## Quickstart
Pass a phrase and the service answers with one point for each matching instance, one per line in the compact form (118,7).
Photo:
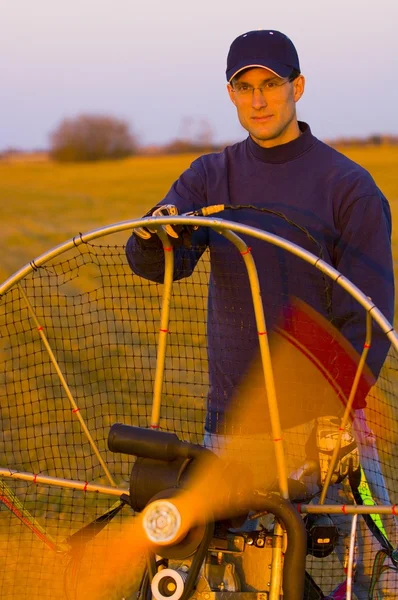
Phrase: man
(298,188)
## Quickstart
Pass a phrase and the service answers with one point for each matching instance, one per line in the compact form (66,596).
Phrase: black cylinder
(150,477)
(150,443)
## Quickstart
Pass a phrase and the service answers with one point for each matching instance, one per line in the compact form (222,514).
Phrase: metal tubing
(265,358)
(350,566)
(82,486)
(349,509)
(294,560)
(277,562)
(75,409)
(218,224)
(164,326)
(346,416)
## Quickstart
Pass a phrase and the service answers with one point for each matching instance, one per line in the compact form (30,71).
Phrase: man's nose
(258,99)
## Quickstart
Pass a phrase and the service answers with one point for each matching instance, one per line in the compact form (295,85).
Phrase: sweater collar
(284,152)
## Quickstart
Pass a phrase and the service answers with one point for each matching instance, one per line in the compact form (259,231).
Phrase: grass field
(43,204)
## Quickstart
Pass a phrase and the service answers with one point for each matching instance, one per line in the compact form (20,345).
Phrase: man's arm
(363,254)
(146,256)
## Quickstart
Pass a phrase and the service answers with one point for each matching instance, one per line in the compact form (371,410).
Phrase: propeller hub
(162,522)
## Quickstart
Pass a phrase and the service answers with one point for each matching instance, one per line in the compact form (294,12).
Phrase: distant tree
(90,138)
(375,139)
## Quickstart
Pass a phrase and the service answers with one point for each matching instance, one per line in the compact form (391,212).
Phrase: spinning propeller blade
(314,368)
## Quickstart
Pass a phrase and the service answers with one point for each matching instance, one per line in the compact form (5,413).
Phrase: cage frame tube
(83,486)
(351,557)
(75,410)
(350,402)
(348,509)
(164,326)
(277,561)
(215,223)
(266,360)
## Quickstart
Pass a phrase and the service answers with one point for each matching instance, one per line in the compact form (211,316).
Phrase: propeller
(314,369)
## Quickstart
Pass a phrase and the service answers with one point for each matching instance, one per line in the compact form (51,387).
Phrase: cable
(216,208)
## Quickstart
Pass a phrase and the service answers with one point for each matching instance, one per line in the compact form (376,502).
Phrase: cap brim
(279,69)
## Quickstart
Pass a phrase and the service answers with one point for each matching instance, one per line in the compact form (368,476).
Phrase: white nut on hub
(162,522)
(168,584)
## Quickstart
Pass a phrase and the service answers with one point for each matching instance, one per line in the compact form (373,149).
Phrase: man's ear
(298,87)
(231,93)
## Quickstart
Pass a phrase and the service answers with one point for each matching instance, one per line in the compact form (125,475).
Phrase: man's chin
(266,130)
(264,135)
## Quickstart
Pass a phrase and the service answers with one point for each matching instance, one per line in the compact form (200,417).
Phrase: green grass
(44,204)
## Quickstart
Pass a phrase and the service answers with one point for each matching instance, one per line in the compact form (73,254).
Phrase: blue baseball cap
(265,48)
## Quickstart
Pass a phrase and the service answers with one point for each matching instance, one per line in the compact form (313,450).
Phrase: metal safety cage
(56,386)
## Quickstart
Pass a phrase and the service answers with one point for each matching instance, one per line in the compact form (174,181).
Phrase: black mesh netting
(102,324)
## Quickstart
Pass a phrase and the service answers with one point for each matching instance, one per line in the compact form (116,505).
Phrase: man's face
(268,113)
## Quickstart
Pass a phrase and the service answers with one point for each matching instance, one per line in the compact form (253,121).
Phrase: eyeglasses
(266,89)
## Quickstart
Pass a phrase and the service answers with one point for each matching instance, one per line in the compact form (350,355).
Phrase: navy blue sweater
(319,189)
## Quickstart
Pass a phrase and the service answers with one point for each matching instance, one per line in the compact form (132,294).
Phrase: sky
(160,65)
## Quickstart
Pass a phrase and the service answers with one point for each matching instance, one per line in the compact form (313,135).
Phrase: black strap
(312,591)
(90,531)
(78,542)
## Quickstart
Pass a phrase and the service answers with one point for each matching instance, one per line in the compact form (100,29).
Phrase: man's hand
(180,235)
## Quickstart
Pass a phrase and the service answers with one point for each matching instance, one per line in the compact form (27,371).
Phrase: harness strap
(363,496)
